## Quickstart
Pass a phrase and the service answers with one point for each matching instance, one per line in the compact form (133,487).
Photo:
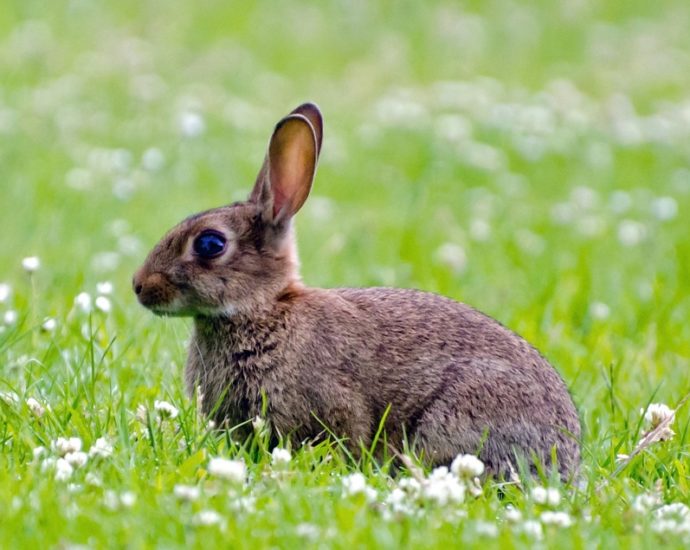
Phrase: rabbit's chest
(239,384)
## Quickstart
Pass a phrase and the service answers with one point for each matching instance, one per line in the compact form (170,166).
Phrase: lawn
(532,160)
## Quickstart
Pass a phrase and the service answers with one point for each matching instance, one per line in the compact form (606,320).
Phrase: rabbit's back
(456,377)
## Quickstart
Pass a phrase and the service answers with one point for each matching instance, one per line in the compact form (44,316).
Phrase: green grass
(531,160)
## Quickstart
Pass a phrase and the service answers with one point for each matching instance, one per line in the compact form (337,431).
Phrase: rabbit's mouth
(165,311)
(174,308)
(177,308)
(155,292)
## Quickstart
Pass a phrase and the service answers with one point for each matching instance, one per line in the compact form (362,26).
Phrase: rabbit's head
(240,257)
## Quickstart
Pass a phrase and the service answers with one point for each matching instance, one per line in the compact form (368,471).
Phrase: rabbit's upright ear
(311,112)
(286,176)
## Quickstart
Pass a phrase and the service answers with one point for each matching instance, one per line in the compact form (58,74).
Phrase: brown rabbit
(456,381)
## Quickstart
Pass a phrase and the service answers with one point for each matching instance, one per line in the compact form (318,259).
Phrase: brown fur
(455,380)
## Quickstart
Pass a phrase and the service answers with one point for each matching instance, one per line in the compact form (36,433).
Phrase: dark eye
(209,244)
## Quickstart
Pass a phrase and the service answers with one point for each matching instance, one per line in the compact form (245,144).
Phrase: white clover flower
(104,288)
(123,188)
(191,124)
(664,208)
(187,492)
(356,484)
(165,409)
(207,518)
(642,504)
(64,445)
(105,261)
(9,397)
(486,529)
(512,514)
(35,407)
(553,497)
(620,201)
(530,242)
(538,495)
(673,526)
(103,304)
(153,159)
(142,413)
(657,413)
(562,213)
(10,317)
(467,466)
(31,264)
(111,500)
(411,486)
(49,325)
(443,488)
(242,504)
(39,452)
(591,225)
(453,127)
(599,310)
(559,519)
(231,470)
(280,457)
(584,197)
(63,470)
(674,510)
(631,233)
(307,531)
(129,245)
(5,291)
(48,463)
(93,480)
(452,255)
(672,518)
(83,301)
(102,447)
(532,528)
(79,178)
(480,230)
(546,496)
(128,499)
(399,502)
(76,459)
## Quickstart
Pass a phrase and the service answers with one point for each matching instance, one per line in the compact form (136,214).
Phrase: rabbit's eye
(209,244)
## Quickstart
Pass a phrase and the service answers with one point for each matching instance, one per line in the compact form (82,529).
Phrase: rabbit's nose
(136,283)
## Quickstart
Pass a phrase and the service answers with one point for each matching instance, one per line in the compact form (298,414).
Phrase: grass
(531,160)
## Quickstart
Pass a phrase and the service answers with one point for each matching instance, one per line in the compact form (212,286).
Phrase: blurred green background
(530,159)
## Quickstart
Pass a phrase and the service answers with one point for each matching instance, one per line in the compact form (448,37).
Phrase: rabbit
(447,378)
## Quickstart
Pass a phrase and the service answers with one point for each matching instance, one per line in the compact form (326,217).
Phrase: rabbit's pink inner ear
(291,165)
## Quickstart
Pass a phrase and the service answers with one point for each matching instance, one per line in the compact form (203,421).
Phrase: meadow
(530,159)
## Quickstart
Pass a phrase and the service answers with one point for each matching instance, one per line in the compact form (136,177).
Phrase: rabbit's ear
(311,112)
(285,179)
